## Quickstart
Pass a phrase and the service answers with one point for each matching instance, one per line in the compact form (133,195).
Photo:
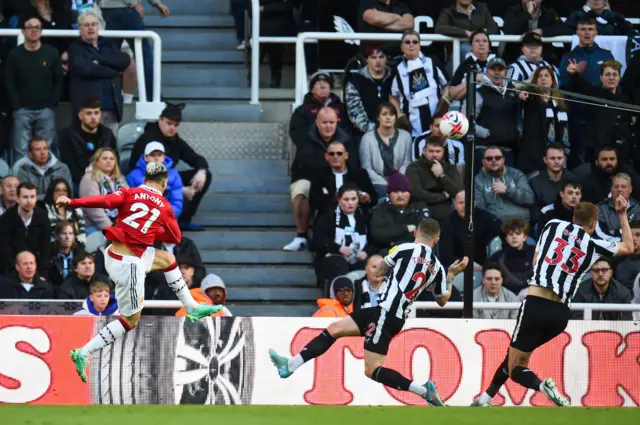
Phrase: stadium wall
(167,360)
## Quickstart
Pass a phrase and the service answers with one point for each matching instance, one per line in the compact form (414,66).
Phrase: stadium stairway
(247,212)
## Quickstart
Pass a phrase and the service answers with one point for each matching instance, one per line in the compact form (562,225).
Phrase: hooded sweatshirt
(42,177)
(330,307)
(200,295)
(88,309)
(515,203)
(173,193)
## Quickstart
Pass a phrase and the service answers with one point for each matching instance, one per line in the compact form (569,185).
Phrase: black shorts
(378,327)
(539,321)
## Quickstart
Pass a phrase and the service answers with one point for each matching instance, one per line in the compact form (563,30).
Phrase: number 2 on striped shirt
(420,279)
(573,262)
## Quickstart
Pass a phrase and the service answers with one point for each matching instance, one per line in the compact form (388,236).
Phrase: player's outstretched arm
(454,270)
(626,246)
(62,202)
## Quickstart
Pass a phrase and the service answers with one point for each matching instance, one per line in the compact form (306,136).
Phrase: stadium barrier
(167,360)
(145,109)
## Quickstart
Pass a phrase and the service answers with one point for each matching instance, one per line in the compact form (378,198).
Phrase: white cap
(153,146)
(212,281)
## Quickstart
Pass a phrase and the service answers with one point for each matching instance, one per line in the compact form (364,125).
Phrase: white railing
(145,110)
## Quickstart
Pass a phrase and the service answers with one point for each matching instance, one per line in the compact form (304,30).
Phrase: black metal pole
(469,153)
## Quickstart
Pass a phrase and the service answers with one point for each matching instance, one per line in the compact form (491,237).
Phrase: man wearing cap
(319,96)
(394,221)
(524,67)
(196,181)
(341,302)
(154,152)
(212,290)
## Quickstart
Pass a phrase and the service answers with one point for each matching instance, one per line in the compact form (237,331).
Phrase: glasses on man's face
(493,158)
(335,153)
(35,28)
(89,25)
(414,42)
(601,271)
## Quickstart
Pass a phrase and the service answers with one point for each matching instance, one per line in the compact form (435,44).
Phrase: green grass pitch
(312,415)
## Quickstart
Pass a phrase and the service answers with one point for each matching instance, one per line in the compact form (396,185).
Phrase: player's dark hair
(347,187)
(555,145)
(585,214)
(604,260)
(571,183)
(492,266)
(429,228)
(586,20)
(26,185)
(517,225)
(90,102)
(434,141)
(80,257)
(35,139)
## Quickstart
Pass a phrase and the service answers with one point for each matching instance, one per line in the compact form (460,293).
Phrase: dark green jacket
(388,226)
(433,190)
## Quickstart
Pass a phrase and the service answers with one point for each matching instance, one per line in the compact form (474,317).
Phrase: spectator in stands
(606,126)
(464,17)
(25,228)
(325,187)
(96,66)
(385,16)
(102,177)
(631,79)
(319,97)
(478,58)
(154,152)
(501,190)
(523,69)
(452,247)
(367,89)
(497,111)
(602,288)
(418,85)
(33,76)
(100,302)
(276,20)
(9,196)
(195,181)
(550,110)
(597,185)
(211,291)
(562,208)
(54,15)
(128,15)
(77,285)
(608,220)
(385,150)
(80,140)
(455,148)
(627,269)
(433,180)
(41,166)
(340,303)
(548,182)
(516,256)
(74,216)
(340,239)
(608,21)
(394,221)
(25,282)
(368,290)
(493,291)
(309,163)
(64,249)
(530,15)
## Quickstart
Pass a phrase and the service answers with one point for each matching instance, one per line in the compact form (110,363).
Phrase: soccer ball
(454,125)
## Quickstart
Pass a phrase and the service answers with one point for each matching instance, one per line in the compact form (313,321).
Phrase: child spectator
(100,302)
(516,257)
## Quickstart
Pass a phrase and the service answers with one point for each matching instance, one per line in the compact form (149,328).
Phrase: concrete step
(276,309)
(236,92)
(249,275)
(235,112)
(254,257)
(246,203)
(192,7)
(203,75)
(244,220)
(242,167)
(188,21)
(243,240)
(275,294)
(203,56)
(197,38)
(251,184)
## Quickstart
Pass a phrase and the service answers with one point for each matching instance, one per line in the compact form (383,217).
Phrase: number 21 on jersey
(557,256)
(140,210)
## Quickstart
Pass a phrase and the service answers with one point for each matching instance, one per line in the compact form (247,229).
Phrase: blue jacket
(174,187)
(593,55)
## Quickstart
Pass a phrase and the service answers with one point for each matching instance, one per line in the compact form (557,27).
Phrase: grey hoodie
(513,204)
(42,177)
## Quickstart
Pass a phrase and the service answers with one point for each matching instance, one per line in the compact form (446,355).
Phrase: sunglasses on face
(411,42)
(493,158)
(335,153)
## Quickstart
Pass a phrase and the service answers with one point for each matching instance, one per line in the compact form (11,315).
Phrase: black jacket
(500,115)
(309,162)
(558,211)
(615,294)
(546,191)
(323,189)
(76,152)
(305,116)
(389,225)
(276,20)
(96,72)
(16,238)
(517,266)
(74,288)
(597,186)
(186,252)
(56,268)
(175,148)
(324,233)
(10,288)
(369,94)
(454,236)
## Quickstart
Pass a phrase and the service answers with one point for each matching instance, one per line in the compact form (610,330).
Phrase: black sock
(500,377)
(317,346)
(391,378)
(302,235)
(526,378)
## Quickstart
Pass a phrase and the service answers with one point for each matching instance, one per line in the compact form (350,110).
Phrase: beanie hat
(320,76)
(341,282)
(212,281)
(173,111)
(398,182)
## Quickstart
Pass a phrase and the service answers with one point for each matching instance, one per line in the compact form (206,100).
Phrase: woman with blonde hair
(102,177)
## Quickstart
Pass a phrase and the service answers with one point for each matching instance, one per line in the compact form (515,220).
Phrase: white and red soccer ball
(454,125)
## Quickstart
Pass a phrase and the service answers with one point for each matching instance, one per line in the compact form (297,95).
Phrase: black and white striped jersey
(414,268)
(565,253)
(522,69)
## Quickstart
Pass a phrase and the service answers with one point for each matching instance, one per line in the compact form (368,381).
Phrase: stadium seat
(129,133)
(16,165)
(4,169)
(494,246)
(125,155)
(458,282)
(94,240)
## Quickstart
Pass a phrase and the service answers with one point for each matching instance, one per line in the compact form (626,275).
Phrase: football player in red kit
(144,216)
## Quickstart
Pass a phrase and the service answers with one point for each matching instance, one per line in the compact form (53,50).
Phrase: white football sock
(127,98)
(484,398)
(295,362)
(418,389)
(107,335)
(179,286)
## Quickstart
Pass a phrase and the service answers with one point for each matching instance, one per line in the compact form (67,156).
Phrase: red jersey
(144,216)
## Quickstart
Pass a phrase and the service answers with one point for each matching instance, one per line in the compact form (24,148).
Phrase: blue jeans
(127,19)
(28,123)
